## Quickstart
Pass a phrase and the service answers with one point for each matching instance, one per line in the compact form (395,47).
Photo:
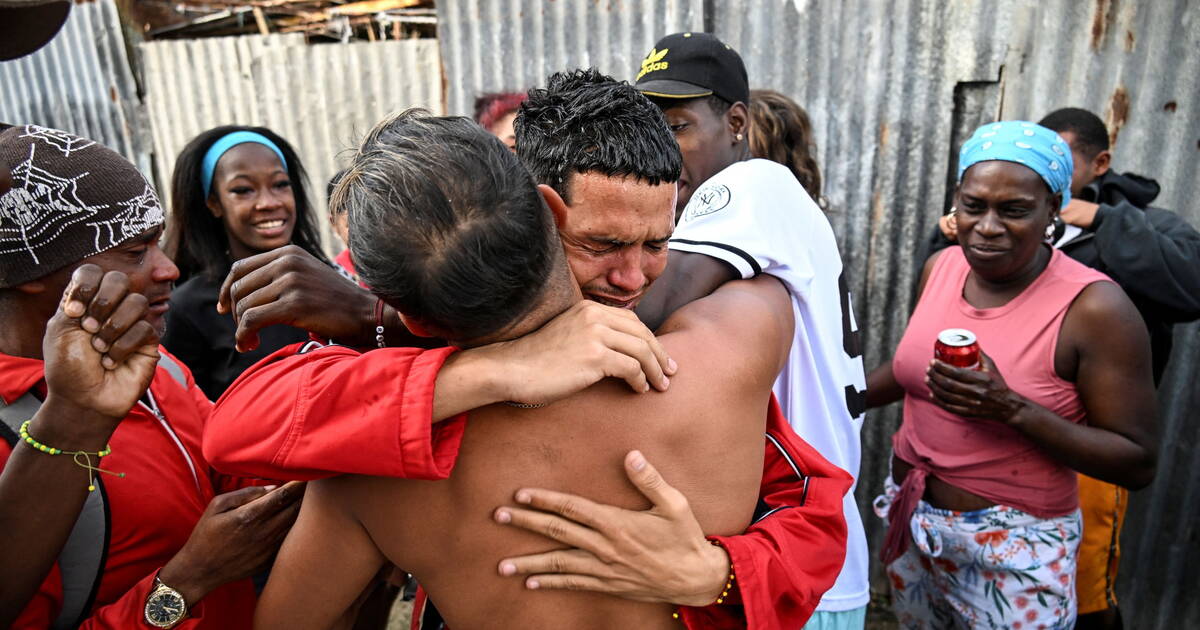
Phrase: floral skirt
(993,568)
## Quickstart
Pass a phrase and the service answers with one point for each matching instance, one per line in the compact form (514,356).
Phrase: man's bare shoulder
(743,319)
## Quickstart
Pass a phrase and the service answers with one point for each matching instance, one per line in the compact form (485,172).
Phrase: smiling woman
(984,463)
(236,192)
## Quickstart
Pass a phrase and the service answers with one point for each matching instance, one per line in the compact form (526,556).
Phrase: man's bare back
(704,434)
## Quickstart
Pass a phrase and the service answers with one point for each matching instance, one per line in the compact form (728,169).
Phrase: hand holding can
(957,347)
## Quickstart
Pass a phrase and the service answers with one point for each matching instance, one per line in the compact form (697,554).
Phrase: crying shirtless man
(448,227)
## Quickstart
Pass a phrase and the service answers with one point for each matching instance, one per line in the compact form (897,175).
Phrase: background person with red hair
(496,112)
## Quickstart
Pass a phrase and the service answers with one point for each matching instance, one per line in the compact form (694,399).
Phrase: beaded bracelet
(724,591)
(86,455)
(379,340)
(728,587)
(728,582)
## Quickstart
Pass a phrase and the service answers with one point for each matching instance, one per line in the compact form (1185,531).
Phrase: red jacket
(152,509)
(333,410)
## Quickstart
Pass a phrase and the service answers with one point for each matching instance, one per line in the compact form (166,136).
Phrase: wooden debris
(344,20)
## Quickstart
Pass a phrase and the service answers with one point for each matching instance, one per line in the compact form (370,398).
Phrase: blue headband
(1027,144)
(226,143)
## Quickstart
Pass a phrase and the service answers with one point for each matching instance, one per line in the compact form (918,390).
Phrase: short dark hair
(1089,130)
(446,225)
(717,104)
(583,122)
(196,240)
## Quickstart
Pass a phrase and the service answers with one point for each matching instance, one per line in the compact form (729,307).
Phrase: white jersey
(755,216)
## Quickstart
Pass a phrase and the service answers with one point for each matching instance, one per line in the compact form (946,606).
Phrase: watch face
(164,609)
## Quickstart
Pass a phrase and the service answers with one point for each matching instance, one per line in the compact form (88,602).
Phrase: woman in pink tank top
(984,524)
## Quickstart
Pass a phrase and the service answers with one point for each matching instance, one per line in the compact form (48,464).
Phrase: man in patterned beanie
(70,198)
(114,517)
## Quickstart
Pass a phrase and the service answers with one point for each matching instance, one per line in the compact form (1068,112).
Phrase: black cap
(691,65)
(27,25)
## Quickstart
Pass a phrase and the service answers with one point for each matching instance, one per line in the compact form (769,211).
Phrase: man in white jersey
(738,218)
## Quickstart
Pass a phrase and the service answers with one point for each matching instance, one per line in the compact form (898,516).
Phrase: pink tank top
(984,457)
(988,458)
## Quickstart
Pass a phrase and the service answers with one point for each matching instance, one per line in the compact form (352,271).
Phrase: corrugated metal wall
(879,83)
(1137,65)
(321,98)
(82,83)
(511,45)
(893,89)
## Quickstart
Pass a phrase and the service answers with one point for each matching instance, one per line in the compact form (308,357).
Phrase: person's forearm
(687,278)
(1093,451)
(882,387)
(468,380)
(40,498)
(189,577)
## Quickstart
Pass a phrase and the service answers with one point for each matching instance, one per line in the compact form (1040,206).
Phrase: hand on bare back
(100,352)
(656,555)
(236,537)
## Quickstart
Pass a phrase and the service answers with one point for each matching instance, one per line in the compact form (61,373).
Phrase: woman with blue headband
(982,505)
(236,192)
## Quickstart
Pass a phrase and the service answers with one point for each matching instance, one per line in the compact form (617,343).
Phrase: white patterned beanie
(71,198)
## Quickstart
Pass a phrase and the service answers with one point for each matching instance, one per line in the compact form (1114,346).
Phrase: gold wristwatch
(165,606)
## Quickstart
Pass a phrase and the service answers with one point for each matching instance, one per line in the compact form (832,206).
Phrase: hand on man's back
(236,537)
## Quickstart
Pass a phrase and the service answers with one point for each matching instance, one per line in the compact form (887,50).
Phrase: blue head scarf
(227,142)
(1027,144)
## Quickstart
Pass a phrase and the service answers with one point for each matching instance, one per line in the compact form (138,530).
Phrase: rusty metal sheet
(321,98)
(503,45)
(893,89)
(80,82)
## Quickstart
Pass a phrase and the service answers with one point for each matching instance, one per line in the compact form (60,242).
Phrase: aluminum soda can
(957,347)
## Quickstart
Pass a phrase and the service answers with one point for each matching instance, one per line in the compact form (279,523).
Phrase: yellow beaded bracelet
(724,591)
(729,582)
(86,455)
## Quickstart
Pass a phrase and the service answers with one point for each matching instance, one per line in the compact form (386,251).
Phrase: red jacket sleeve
(793,552)
(304,413)
(129,611)
(232,608)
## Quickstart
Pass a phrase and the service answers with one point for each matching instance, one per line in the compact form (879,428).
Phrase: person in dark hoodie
(1154,255)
